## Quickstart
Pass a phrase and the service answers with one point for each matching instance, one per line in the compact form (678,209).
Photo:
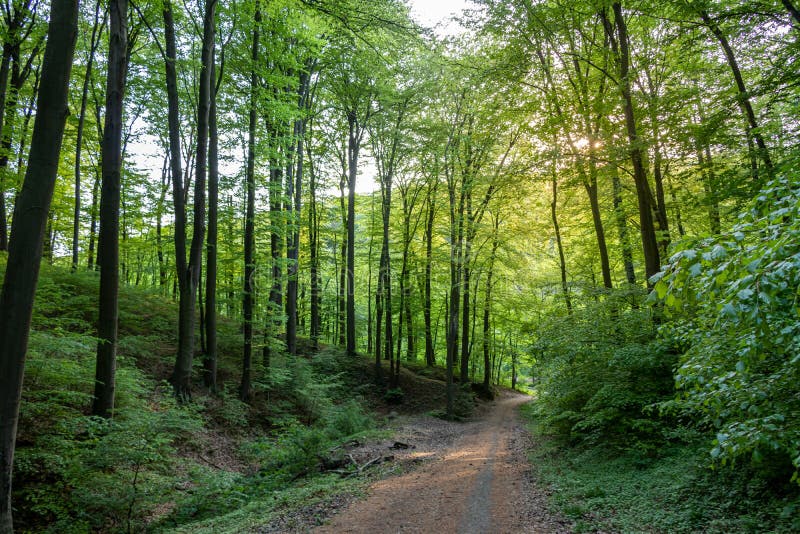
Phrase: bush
(733,300)
(597,372)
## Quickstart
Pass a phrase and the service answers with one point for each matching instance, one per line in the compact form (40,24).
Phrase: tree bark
(15,17)
(188,269)
(313,245)
(487,308)
(76,217)
(385,282)
(793,11)
(353,149)
(211,354)
(108,241)
(90,261)
(559,245)
(295,205)
(27,236)
(621,49)
(430,357)
(249,224)
(622,229)
(742,97)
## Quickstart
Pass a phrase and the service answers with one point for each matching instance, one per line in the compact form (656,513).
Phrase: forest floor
(456,477)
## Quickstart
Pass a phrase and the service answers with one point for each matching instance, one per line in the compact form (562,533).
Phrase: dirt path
(476,480)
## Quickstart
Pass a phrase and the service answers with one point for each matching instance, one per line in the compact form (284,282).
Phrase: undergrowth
(152,467)
(605,489)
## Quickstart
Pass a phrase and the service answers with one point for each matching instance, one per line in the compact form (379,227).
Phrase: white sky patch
(438,14)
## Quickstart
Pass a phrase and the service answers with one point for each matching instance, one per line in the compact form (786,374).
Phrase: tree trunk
(341,324)
(249,224)
(456,241)
(353,149)
(108,241)
(5,66)
(559,245)
(487,307)
(793,11)
(211,354)
(293,244)
(95,40)
(370,345)
(90,261)
(466,273)
(14,31)
(643,193)
(162,267)
(742,97)
(385,282)
(622,229)
(27,236)
(430,357)
(590,184)
(313,245)
(188,270)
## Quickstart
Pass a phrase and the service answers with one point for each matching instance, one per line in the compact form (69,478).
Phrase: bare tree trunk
(559,245)
(293,241)
(18,22)
(93,43)
(353,149)
(313,245)
(385,282)
(466,272)
(646,226)
(27,236)
(341,324)
(430,357)
(622,229)
(211,354)
(188,269)
(487,308)
(590,184)
(162,267)
(108,241)
(742,97)
(249,224)
(793,11)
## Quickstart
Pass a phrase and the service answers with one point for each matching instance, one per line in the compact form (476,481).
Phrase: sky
(432,12)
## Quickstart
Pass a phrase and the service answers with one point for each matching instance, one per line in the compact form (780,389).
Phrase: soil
(471,477)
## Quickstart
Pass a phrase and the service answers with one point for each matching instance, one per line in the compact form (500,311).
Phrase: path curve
(480,484)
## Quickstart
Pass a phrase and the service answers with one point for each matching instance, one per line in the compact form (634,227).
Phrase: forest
(235,236)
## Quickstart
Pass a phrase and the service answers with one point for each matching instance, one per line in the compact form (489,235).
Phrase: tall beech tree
(617,34)
(108,242)
(188,269)
(249,221)
(27,233)
(353,86)
(94,42)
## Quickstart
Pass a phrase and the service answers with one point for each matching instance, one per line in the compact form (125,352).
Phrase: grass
(604,489)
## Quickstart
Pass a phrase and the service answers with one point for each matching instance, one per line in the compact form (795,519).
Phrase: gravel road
(474,478)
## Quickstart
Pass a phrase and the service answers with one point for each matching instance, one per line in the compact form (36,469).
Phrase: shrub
(597,372)
(733,300)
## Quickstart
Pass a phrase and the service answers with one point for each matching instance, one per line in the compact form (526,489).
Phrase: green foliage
(77,473)
(394,396)
(603,490)
(315,419)
(597,372)
(733,300)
